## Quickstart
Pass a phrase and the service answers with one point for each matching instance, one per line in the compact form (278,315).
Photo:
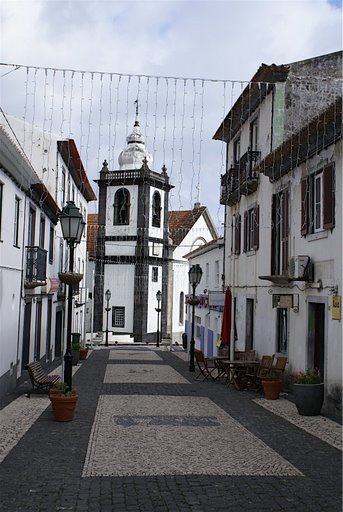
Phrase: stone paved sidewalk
(148,437)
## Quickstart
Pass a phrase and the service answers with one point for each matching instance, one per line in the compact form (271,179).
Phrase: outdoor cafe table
(235,370)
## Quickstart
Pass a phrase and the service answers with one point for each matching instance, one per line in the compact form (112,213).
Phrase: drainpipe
(233,264)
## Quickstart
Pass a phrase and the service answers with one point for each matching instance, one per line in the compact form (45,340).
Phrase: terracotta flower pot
(63,406)
(83,353)
(272,389)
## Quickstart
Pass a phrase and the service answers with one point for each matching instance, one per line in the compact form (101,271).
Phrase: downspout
(233,264)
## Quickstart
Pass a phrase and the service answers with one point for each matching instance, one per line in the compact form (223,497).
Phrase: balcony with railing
(240,179)
(35,273)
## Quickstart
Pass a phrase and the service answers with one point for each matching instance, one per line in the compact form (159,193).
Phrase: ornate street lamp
(72,225)
(158,309)
(194,276)
(107,309)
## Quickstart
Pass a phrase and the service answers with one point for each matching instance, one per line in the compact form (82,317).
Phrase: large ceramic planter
(308,398)
(63,406)
(271,389)
(75,355)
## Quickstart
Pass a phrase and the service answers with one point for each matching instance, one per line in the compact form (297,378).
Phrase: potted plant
(308,392)
(272,385)
(83,353)
(63,401)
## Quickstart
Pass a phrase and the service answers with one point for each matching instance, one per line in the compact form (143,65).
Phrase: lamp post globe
(72,225)
(107,309)
(194,277)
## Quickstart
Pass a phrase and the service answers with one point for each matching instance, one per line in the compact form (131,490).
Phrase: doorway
(58,333)
(25,358)
(316,337)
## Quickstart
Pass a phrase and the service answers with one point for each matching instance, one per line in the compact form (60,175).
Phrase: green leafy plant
(61,388)
(311,376)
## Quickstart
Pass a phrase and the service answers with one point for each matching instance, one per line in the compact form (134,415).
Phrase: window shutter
(285,231)
(273,240)
(245,234)
(256,226)
(304,206)
(328,197)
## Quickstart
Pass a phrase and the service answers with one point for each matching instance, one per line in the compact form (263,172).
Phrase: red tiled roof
(180,222)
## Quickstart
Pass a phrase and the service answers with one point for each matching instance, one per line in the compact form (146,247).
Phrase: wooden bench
(39,379)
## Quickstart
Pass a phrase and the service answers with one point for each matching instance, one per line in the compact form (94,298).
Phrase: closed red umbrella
(226,321)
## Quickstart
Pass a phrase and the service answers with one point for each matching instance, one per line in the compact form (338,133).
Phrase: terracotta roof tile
(180,222)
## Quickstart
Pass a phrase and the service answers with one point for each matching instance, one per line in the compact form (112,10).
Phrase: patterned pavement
(148,437)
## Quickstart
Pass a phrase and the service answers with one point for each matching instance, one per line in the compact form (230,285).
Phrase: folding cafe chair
(206,367)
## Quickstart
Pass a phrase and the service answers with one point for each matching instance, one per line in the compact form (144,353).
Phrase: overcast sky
(218,40)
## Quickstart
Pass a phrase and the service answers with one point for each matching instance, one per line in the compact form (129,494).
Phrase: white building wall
(197,236)
(120,280)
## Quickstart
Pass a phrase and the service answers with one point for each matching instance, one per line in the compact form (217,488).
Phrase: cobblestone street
(148,437)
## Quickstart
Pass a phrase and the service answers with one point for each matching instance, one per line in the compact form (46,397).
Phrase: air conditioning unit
(300,267)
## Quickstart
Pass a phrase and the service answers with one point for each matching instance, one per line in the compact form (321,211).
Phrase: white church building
(140,247)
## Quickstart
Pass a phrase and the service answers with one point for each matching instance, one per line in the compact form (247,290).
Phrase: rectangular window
(237,234)
(237,150)
(318,201)
(254,135)
(282,330)
(1,199)
(217,273)
(154,274)
(32,227)
(118,316)
(207,274)
(63,186)
(251,229)
(16,221)
(42,232)
(51,244)
(280,233)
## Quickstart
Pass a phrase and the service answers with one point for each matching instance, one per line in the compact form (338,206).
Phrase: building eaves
(15,163)
(321,132)
(72,159)
(213,244)
(254,93)
(42,197)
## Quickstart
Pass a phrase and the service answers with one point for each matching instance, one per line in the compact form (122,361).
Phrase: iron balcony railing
(240,178)
(35,274)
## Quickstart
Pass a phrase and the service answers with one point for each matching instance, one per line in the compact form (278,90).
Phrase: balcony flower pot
(308,392)
(272,389)
(63,402)
(72,278)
